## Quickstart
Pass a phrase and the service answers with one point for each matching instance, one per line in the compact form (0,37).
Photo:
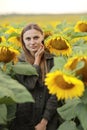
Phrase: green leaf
(67,111)
(58,63)
(79,47)
(12,91)
(24,68)
(11,110)
(78,34)
(81,112)
(84,97)
(3,114)
(68,125)
(13,34)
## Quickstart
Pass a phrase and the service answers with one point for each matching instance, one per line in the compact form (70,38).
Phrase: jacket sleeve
(51,108)
(29,81)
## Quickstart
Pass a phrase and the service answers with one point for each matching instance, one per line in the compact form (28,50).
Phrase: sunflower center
(18,38)
(83,27)
(0,39)
(59,44)
(62,83)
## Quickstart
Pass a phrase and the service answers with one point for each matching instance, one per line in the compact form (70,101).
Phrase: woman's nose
(32,41)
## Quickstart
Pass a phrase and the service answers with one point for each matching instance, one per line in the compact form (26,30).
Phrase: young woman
(42,114)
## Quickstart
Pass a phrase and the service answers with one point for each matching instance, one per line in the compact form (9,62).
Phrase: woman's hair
(29,27)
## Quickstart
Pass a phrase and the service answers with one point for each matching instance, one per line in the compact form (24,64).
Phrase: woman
(42,114)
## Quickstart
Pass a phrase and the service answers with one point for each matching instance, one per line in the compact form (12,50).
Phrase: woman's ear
(42,41)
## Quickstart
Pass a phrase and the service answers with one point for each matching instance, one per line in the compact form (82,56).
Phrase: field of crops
(41,19)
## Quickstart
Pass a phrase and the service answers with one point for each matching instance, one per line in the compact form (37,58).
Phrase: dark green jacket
(29,114)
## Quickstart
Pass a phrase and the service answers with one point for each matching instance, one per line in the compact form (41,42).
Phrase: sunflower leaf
(11,109)
(12,91)
(24,68)
(3,114)
(81,111)
(58,63)
(68,125)
(78,34)
(84,97)
(67,111)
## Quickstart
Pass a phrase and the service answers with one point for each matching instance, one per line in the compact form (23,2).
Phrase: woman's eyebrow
(36,36)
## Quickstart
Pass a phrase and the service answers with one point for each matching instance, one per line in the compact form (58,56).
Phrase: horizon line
(13,13)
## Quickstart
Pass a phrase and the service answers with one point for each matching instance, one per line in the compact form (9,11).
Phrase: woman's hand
(41,125)
(40,51)
(39,54)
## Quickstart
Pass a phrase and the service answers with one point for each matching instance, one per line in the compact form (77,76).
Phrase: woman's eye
(28,38)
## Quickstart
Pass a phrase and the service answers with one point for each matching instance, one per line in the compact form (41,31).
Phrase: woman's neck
(32,53)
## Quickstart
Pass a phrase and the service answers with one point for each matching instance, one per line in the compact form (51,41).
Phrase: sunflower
(2,39)
(11,30)
(8,54)
(72,64)
(81,26)
(58,45)
(63,85)
(15,40)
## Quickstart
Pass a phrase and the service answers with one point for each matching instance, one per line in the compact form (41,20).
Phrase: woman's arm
(51,107)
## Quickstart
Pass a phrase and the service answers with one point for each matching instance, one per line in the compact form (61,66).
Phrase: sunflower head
(58,45)
(81,26)
(63,85)
(15,40)
(82,71)
(8,54)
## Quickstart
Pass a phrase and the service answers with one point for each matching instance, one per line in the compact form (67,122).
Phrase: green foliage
(68,110)
(84,97)
(81,112)
(78,34)
(58,63)
(24,68)
(12,91)
(68,125)
(3,114)
(71,110)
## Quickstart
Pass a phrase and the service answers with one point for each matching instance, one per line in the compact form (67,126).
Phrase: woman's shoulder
(48,55)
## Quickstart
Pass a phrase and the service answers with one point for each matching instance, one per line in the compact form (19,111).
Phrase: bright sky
(43,6)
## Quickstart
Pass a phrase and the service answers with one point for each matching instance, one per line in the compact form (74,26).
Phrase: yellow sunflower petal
(64,86)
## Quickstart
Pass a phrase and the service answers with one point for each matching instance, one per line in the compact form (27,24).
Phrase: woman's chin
(34,50)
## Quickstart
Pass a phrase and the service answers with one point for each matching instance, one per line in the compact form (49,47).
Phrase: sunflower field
(67,40)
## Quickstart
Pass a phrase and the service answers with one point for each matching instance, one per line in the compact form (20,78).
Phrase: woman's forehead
(32,32)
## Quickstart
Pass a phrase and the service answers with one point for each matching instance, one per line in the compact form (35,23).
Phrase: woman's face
(33,40)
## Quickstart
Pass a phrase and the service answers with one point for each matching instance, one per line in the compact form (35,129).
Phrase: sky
(43,6)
